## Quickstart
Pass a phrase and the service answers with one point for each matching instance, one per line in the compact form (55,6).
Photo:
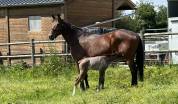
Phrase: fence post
(170,54)
(9,59)
(142,32)
(8,36)
(33,52)
(1,60)
(66,51)
(42,57)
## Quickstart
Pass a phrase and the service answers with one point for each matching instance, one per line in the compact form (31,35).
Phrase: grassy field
(45,85)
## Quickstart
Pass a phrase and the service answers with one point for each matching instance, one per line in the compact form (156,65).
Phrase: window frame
(32,29)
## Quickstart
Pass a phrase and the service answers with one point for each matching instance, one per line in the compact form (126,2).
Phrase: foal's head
(57,27)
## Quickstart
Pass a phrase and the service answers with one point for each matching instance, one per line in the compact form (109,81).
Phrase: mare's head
(57,27)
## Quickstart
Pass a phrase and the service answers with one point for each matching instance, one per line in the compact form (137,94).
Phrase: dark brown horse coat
(117,42)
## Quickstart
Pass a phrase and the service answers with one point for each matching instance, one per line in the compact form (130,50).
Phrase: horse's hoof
(82,89)
(97,90)
(73,93)
(141,79)
(134,85)
(87,87)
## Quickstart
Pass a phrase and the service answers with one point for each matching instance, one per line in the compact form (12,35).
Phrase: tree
(146,15)
(161,17)
(128,23)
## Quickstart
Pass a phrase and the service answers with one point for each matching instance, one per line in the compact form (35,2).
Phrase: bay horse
(124,43)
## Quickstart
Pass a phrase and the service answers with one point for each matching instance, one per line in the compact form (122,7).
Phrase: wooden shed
(23,20)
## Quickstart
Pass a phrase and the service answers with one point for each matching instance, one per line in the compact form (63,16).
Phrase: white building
(173,27)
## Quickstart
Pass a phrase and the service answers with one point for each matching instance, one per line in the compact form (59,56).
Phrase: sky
(155,2)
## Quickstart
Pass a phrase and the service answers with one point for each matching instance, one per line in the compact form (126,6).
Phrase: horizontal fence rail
(162,51)
(160,34)
(161,29)
(108,21)
(36,55)
(36,42)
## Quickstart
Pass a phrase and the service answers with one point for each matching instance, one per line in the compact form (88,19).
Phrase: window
(34,23)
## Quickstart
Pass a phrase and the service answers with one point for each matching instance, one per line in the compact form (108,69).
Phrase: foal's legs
(86,81)
(79,80)
(133,70)
(83,68)
(101,79)
(82,86)
(80,77)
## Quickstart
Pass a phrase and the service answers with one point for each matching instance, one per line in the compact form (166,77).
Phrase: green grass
(38,86)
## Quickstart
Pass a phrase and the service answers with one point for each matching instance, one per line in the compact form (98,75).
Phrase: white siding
(173,40)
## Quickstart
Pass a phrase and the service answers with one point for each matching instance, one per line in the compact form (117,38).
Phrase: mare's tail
(140,60)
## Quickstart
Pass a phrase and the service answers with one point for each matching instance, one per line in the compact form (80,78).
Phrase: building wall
(173,27)
(86,12)
(3,35)
(19,29)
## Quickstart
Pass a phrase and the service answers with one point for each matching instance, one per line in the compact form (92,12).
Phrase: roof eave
(31,5)
(131,6)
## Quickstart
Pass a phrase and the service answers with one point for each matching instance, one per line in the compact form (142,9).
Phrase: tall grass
(52,83)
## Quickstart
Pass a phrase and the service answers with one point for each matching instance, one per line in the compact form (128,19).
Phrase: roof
(19,3)
(126,5)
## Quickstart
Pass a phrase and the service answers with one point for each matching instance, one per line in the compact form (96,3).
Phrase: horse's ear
(53,16)
(59,18)
(58,15)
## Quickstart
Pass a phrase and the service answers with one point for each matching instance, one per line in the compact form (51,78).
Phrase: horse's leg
(133,70)
(101,79)
(82,86)
(83,66)
(86,81)
(78,80)
(80,77)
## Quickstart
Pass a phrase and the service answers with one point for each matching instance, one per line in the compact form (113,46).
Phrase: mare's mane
(81,31)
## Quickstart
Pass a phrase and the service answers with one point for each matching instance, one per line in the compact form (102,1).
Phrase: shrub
(56,65)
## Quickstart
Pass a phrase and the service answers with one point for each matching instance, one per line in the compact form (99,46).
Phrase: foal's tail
(140,59)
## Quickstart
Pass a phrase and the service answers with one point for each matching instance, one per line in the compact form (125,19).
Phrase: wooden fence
(32,44)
